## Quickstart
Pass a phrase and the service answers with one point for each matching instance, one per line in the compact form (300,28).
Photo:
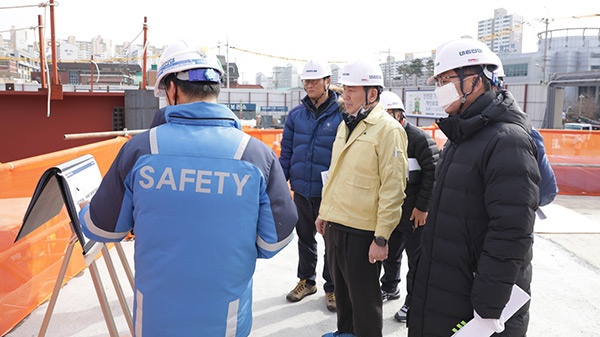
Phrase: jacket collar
(325,106)
(491,107)
(372,117)
(202,113)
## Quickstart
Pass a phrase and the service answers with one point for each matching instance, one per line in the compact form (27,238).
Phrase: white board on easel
(73,184)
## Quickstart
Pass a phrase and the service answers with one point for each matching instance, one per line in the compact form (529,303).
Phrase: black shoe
(388,296)
(400,316)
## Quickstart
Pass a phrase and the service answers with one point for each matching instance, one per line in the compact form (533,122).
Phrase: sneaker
(388,296)
(400,316)
(330,299)
(338,334)
(301,290)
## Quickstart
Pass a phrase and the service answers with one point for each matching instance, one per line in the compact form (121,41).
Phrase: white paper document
(479,328)
(413,164)
(324,176)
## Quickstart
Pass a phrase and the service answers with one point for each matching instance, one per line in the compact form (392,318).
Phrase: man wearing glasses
(306,145)
(478,240)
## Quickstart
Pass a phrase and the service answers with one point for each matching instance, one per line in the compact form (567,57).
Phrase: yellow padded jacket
(367,176)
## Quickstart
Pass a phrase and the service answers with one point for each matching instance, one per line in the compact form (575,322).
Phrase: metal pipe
(92,74)
(227,61)
(53,42)
(42,53)
(525,94)
(143,87)
(125,133)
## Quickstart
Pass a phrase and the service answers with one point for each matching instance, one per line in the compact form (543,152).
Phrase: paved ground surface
(566,288)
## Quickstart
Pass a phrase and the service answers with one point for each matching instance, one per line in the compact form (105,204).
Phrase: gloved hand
(495,324)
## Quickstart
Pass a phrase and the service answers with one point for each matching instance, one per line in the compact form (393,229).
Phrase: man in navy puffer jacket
(306,152)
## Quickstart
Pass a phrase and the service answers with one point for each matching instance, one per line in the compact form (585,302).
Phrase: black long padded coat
(479,234)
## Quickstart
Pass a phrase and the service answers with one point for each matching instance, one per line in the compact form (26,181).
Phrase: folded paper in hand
(479,328)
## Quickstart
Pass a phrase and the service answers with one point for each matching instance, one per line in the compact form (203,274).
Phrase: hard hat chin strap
(463,99)
(318,98)
(367,96)
(315,101)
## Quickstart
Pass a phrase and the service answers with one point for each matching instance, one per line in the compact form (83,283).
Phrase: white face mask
(446,95)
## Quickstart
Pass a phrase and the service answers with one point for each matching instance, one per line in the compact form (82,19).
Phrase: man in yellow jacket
(362,200)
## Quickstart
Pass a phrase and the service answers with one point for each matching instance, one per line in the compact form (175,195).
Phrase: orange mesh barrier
(271,137)
(573,154)
(439,137)
(575,159)
(28,268)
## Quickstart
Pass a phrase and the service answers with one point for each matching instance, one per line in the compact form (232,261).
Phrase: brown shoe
(301,290)
(330,299)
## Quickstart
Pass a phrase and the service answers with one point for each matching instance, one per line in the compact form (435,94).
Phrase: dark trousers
(357,291)
(308,210)
(402,238)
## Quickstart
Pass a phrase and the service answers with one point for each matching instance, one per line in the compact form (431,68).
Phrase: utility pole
(227,61)
(545,59)
(389,67)
(387,80)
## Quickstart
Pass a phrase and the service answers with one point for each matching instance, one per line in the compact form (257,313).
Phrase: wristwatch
(380,241)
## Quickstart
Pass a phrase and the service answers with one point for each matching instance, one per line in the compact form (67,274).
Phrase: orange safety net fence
(29,268)
(573,154)
(271,137)
(575,159)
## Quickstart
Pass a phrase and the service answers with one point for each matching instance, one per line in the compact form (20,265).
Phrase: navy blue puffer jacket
(306,145)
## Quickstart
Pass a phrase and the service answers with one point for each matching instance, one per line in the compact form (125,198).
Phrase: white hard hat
(315,69)
(499,72)
(362,73)
(391,100)
(180,58)
(464,52)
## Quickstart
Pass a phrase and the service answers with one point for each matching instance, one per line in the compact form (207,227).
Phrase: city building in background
(503,33)
(569,54)
(410,72)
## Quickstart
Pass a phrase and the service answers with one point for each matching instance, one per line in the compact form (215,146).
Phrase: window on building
(515,69)
(595,68)
(73,77)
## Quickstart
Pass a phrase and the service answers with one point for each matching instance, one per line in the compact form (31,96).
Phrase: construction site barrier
(575,158)
(29,268)
(573,154)
(271,137)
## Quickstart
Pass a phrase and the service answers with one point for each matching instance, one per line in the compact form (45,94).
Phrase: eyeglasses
(396,113)
(313,81)
(443,80)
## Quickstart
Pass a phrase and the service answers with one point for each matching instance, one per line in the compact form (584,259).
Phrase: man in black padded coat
(477,243)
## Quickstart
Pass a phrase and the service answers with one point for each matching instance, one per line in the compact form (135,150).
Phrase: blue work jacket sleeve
(278,214)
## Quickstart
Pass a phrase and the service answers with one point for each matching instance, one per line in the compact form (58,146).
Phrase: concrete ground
(565,299)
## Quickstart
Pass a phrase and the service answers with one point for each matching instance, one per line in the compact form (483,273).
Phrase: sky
(292,31)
